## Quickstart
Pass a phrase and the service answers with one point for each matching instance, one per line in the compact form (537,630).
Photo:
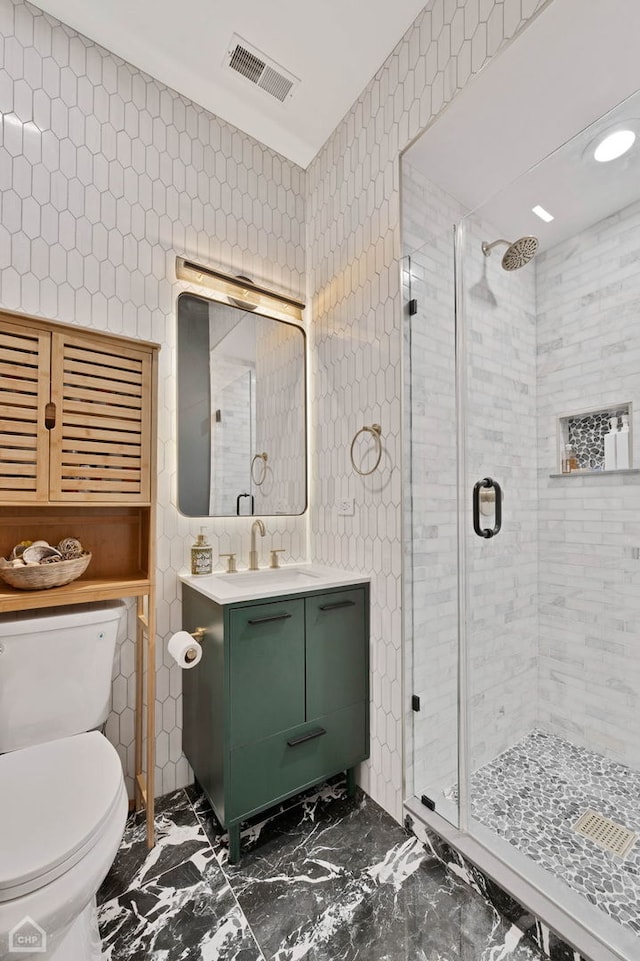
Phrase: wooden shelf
(78,592)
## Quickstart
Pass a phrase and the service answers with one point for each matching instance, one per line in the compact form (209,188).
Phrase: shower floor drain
(605,833)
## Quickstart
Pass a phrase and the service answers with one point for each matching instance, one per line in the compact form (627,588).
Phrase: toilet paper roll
(185,650)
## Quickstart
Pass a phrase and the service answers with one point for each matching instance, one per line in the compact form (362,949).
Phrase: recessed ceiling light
(614,145)
(542,213)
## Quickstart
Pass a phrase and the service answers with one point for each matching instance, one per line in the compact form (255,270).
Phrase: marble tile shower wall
(106,175)
(353,223)
(502,621)
(589,357)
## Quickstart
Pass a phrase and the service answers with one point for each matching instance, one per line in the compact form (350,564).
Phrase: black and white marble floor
(327,878)
(533,794)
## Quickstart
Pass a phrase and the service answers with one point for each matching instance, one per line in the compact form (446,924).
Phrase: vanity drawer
(264,772)
(267,668)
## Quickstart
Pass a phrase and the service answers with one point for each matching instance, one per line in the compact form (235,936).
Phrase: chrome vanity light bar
(240,291)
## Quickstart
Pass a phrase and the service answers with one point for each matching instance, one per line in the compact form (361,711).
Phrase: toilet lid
(54,798)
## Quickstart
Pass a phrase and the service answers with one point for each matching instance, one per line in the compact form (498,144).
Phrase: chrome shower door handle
(486,484)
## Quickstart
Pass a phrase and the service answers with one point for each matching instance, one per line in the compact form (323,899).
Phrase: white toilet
(63,801)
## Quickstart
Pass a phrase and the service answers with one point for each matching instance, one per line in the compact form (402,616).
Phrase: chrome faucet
(253,554)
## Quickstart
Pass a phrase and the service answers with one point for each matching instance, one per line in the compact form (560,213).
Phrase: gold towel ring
(264,458)
(376,431)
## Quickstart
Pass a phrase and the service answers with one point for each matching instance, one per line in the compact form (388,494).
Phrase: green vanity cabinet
(280,699)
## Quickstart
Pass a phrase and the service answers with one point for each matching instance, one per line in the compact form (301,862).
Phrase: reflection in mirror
(241,411)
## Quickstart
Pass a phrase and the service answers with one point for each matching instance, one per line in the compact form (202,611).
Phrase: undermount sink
(268,582)
(281,575)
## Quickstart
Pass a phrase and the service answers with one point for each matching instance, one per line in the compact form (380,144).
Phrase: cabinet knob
(275,560)
(231,563)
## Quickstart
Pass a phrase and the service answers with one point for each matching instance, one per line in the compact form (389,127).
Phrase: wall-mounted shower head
(517,254)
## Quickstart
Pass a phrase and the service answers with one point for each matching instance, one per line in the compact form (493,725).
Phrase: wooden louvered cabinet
(76,417)
(78,458)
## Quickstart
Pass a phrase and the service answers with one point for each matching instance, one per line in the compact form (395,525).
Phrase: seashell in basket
(37,577)
(40,552)
(19,549)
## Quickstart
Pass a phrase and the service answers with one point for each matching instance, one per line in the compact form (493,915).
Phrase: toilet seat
(57,799)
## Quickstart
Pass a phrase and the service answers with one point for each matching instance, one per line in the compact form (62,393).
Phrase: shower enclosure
(522,540)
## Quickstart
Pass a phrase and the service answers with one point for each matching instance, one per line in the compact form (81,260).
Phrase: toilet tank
(55,671)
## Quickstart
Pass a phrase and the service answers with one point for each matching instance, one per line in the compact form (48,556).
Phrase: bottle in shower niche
(622,444)
(201,555)
(610,445)
(569,459)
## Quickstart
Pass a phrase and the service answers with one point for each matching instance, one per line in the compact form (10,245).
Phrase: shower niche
(581,435)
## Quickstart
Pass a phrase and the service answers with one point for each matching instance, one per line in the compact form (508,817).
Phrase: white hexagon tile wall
(106,175)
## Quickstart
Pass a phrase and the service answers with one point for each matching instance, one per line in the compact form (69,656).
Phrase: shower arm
(487,248)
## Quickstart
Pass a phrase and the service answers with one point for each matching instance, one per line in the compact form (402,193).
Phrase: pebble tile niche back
(78,459)
(585,432)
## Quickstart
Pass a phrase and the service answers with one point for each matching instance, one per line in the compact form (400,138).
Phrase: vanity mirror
(241,411)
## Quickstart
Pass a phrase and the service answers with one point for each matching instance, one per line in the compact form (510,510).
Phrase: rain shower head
(517,254)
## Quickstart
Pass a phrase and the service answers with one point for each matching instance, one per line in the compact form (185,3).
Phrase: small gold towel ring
(264,458)
(376,431)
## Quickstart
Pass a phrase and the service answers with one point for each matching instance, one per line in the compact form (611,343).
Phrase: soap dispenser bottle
(622,444)
(201,555)
(570,459)
(610,445)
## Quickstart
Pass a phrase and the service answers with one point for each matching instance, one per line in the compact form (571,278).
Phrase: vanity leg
(234,843)
(351,782)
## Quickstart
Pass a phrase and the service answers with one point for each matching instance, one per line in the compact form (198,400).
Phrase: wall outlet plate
(346,507)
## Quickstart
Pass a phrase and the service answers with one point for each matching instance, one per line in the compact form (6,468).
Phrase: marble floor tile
(325,878)
(173,902)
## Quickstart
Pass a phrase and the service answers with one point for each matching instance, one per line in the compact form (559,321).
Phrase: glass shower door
(431,581)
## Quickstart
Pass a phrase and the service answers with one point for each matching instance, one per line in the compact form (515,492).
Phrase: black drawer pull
(309,736)
(334,607)
(265,620)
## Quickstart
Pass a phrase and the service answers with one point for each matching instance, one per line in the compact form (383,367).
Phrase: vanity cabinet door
(336,668)
(267,670)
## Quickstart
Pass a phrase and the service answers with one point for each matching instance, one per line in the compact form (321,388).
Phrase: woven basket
(45,575)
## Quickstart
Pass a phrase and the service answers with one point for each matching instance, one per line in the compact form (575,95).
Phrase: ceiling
(333,47)
(575,62)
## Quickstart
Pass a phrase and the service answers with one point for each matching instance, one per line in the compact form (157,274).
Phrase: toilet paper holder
(198,635)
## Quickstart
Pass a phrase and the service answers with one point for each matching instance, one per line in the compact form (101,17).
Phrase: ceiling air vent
(260,70)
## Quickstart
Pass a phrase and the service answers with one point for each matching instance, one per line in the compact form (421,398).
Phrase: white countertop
(255,585)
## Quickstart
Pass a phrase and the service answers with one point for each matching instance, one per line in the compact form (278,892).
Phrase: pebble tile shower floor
(534,793)
(327,878)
